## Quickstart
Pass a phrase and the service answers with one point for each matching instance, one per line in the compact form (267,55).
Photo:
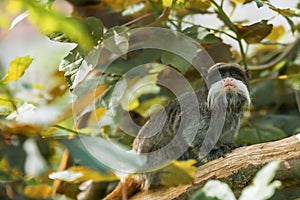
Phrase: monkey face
(227,83)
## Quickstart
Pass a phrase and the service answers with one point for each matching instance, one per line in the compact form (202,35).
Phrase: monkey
(233,85)
(227,92)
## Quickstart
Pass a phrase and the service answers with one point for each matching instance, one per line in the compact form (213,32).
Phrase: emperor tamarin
(226,94)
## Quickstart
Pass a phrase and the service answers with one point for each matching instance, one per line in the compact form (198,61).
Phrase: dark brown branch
(238,169)
(162,18)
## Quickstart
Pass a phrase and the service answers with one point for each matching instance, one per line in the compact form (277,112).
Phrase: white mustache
(216,92)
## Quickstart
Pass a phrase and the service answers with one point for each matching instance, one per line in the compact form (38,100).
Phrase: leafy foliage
(17,68)
(261,188)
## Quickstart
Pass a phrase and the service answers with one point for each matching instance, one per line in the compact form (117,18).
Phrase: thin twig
(66,129)
(243,53)
(137,19)
(212,29)
(162,18)
(293,48)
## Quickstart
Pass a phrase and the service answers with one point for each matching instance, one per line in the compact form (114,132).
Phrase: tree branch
(238,169)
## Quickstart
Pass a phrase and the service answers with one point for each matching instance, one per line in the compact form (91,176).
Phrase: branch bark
(238,169)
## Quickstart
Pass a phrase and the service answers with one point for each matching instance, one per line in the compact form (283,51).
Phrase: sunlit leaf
(17,68)
(262,186)
(167,3)
(18,19)
(288,12)
(276,34)
(66,175)
(50,21)
(256,32)
(38,191)
(91,174)
(170,175)
(214,190)
(14,7)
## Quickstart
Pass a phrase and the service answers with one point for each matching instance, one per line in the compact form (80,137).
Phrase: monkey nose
(229,85)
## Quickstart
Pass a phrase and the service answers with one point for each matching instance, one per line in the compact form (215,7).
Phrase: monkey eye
(234,75)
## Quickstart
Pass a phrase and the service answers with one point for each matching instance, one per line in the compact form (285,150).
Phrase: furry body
(226,92)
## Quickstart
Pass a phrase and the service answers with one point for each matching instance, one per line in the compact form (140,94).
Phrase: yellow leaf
(39,191)
(14,7)
(95,116)
(91,174)
(276,33)
(17,68)
(178,173)
(167,3)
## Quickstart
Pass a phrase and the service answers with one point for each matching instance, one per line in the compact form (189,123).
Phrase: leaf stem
(224,17)
(66,129)
(212,29)
(242,53)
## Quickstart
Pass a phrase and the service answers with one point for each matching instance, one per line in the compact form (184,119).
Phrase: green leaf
(17,68)
(95,27)
(81,155)
(200,194)
(116,29)
(291,23)
(214,189)
(116,40)
(176,61)
(262,187)
(116,156)
(71,64)
(49,22)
